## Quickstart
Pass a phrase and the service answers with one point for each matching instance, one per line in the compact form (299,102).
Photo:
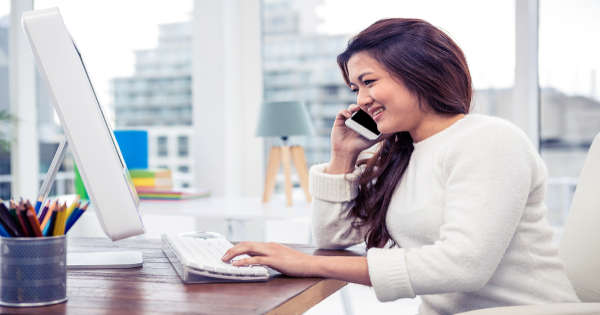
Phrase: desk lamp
(284,119)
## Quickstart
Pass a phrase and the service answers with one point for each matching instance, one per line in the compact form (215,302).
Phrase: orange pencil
(33,224)
(49,214)
(33,221)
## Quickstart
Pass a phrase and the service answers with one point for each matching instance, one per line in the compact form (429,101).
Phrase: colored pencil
(46,219)
(38,204)
(72,206)
(72,216)
(8,222)
(33,220)
(4,232)
(49,228)
(76,215)
(61,216)
(44,211)
(23,220)
(13,211)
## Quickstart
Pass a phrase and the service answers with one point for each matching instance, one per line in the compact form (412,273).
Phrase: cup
(33,271)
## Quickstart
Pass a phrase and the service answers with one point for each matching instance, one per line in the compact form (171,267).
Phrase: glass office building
(158,98)
(299,65)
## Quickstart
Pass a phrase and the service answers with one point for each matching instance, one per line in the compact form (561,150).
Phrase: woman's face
(393,107)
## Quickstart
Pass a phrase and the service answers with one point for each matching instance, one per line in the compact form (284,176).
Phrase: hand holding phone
(363,124)
(346,145)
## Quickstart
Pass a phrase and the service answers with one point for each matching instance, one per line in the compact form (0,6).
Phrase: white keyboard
(201,252)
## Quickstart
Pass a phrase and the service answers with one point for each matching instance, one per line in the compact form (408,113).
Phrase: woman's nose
(364,100)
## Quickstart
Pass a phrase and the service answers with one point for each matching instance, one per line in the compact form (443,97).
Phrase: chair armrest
(543,309)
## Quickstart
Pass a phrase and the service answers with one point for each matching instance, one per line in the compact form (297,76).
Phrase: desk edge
(308,298)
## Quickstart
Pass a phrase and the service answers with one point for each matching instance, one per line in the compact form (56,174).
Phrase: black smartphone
(363,124)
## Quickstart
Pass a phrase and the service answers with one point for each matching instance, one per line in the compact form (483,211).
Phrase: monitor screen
(86,128)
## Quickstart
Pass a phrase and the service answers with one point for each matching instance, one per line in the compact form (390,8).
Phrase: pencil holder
(34,271)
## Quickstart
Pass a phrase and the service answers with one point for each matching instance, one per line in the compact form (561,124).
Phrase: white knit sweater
(469,219)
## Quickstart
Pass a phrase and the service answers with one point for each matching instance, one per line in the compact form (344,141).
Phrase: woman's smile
(377,113)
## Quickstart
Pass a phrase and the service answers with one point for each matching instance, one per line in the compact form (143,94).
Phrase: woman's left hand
(279,257)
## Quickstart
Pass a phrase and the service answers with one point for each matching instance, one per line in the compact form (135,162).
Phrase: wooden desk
(156,288)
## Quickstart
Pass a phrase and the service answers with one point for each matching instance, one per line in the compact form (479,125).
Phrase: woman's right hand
(346,144)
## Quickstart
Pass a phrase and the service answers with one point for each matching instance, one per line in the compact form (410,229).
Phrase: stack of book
(147,179)
(158,185)
(153,194)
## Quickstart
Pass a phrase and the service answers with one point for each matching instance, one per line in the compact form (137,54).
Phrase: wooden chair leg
(272,170)
(300,164)
(287,170)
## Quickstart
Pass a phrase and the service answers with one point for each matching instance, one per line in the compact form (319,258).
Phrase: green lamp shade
(282,119)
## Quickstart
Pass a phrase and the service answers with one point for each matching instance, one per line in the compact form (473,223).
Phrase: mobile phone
(363,124)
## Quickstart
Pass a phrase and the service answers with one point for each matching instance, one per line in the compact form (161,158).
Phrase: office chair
(579,248)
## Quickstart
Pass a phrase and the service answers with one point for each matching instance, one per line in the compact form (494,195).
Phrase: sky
(108,32)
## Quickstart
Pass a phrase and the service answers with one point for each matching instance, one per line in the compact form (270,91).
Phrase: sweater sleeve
(331,194)
(488,176)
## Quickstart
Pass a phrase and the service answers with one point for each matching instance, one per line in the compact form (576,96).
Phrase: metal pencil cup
(34,271)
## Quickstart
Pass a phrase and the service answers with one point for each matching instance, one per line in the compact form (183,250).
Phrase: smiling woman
(450,205)
(419,77)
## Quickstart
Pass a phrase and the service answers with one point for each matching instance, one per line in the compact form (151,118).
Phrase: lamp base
(284,155)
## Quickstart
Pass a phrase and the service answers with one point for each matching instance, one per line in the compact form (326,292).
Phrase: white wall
(227,92)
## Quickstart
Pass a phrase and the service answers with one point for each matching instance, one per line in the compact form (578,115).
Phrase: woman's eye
(354,91)
(367,82)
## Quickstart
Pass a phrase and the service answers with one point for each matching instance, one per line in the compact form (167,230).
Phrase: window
(162,144)
(183,169)
(570,94)
(183,146)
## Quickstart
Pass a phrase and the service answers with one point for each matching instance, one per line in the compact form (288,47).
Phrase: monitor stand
(88,260)
(103,260)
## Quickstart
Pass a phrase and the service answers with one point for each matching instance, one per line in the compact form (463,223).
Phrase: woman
(451,205)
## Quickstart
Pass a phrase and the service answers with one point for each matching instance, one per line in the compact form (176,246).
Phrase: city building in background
(158,98)
(299,65)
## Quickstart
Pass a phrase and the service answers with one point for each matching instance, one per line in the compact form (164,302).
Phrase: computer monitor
(87,130)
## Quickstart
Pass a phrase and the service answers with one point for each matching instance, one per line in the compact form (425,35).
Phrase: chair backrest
(580,243)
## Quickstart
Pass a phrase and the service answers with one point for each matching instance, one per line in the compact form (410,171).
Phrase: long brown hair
(432,67)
